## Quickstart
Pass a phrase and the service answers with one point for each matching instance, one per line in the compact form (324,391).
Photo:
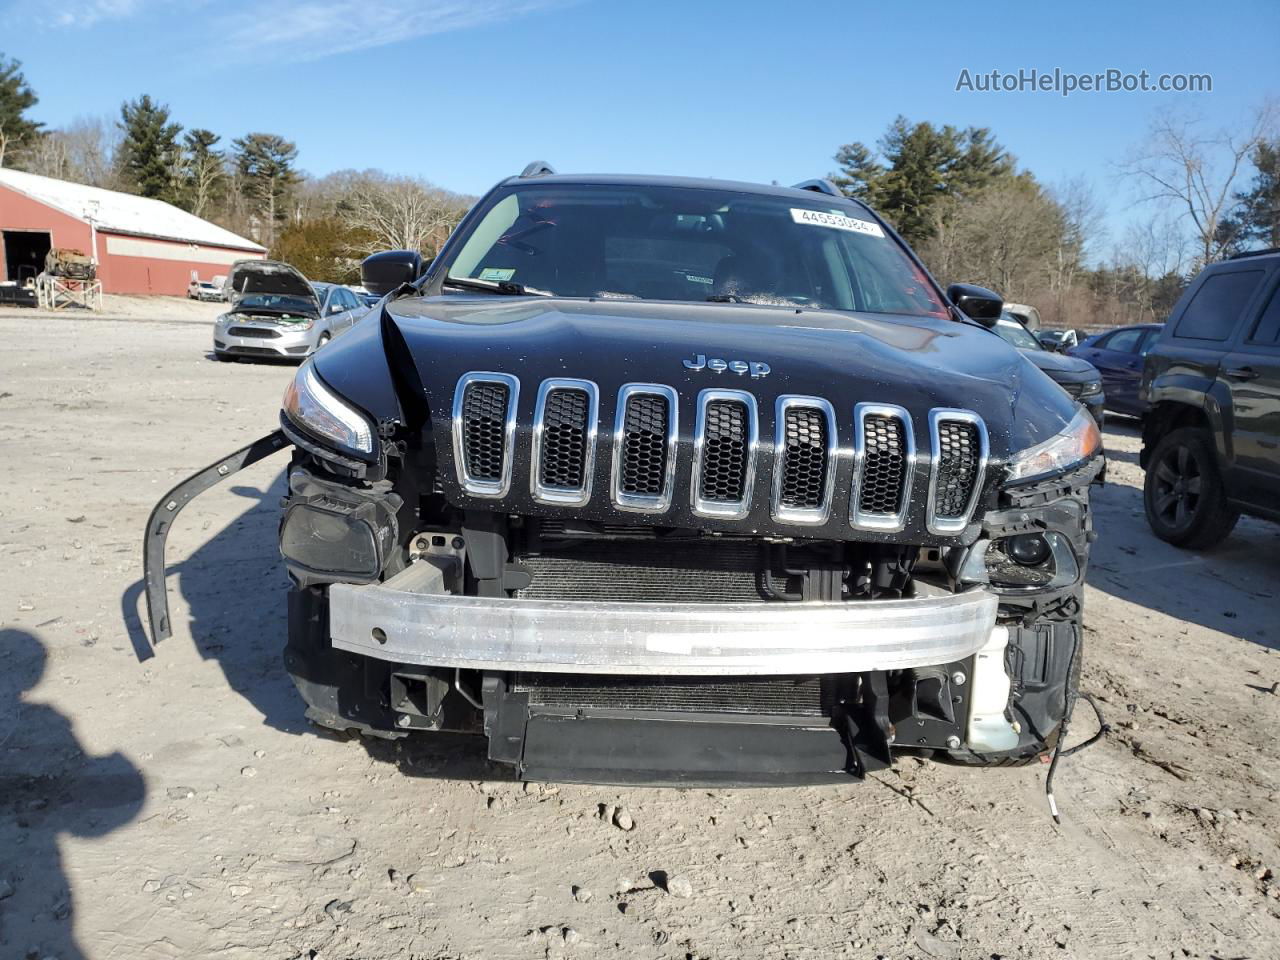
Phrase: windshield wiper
(725,298)
(508,288)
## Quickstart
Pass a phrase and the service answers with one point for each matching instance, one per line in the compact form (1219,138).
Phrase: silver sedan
(277,313)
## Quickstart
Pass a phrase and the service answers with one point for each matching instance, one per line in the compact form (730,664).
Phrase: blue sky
(464,92)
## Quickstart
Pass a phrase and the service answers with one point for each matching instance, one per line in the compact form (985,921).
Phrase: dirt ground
(173,802)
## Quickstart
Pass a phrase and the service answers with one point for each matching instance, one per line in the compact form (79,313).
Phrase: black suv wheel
(1184,497)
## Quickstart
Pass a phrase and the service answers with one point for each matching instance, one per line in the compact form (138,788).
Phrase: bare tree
(1193,170)
(47,156)
(402,213)
(1006,237)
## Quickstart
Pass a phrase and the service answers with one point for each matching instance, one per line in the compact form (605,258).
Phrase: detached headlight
(1090,388)
(1077,443)
(320,411)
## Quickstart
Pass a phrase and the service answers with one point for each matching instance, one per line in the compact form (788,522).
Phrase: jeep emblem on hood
(753,367)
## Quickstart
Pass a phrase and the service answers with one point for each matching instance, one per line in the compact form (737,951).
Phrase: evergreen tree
(16,98)
(1258,216)
(149,153)
(922,166)
(264,162)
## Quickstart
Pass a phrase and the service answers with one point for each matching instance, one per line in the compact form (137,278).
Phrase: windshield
(1017,334)
(276,303)
(645,242)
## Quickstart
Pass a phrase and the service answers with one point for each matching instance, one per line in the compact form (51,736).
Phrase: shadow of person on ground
(49,786)
(234,585)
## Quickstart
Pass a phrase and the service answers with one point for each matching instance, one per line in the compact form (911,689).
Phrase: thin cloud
(301,30)
(88,13)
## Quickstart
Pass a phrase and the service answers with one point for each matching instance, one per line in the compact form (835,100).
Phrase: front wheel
(1184,497)
(324,338)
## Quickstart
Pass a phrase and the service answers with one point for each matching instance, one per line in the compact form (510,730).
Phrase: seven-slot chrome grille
(644,451)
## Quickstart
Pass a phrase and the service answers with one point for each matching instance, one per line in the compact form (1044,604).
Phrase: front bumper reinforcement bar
(412,619)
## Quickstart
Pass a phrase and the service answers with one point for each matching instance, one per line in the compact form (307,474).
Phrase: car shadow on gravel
(439,756)
(1231,588)
(234,586)
(50,787)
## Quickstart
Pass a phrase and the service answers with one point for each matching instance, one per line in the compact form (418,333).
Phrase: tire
(1184,497)
(324,338)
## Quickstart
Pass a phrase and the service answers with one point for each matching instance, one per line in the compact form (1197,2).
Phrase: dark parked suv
(1211,441)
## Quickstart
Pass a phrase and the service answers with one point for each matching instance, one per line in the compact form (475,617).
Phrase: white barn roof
(115,212)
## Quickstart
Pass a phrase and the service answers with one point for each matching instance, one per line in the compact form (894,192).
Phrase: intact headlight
(1091,387)
(320,411)
(1077,443)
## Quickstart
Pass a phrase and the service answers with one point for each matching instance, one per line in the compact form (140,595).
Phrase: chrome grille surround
(481,487)
(806,515)
(884,521)
(944,526)
(637,502)
(726,509)
(946,457)
(564,496)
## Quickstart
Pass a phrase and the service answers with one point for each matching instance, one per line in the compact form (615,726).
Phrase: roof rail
(539,168)
(819,186)
(1253,253)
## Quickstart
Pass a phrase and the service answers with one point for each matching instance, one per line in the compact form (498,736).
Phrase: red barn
(143,246)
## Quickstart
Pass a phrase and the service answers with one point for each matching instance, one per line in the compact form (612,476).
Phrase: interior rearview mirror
(380,273)
(976,303)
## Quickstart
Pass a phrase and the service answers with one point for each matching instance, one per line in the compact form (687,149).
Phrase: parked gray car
(276,312)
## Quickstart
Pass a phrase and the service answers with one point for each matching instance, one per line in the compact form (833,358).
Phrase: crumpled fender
(171,504)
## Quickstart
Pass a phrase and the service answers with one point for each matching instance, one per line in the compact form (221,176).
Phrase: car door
(351,305)
(1251,372)
(332,311)
(1118,359)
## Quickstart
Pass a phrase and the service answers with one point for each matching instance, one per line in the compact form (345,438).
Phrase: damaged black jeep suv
(679,481)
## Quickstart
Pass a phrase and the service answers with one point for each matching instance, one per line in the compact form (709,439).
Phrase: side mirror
(976,303)
(380,273)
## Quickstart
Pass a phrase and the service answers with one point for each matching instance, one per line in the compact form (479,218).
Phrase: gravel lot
(174,803)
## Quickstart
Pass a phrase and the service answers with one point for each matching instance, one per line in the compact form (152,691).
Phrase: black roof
(696,183)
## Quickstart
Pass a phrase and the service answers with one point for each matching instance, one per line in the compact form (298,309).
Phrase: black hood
(1060,366)
(914,362)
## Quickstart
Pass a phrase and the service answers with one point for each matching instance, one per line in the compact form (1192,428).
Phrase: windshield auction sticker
(838,221)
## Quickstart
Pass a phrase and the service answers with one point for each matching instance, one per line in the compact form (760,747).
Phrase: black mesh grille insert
(724,452)
(958,453)
(564,439)
(804,460)
(484,417)
(644,444)
(884,465)
(776,696)
(678,572)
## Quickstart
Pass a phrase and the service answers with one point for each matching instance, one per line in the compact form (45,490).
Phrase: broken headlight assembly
(1023,561)
(321,413)
(1079,441)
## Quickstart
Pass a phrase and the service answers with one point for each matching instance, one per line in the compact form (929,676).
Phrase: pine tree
(149,153)
(264,162)
(1258,215)
(922,166)
(16,98)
